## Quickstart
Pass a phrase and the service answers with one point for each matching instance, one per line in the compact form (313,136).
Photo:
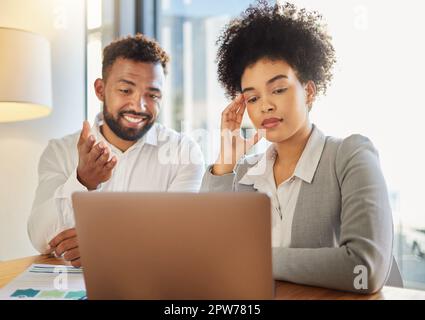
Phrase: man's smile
(135,121)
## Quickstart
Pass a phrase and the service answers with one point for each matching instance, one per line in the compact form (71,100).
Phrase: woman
(331,218)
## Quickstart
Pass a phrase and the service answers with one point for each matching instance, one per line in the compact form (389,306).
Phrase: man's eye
(125,91)
(154,97)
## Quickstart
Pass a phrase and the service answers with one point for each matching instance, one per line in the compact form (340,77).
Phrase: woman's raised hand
(233,145)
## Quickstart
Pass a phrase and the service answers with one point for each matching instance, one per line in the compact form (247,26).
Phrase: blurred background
(377,91)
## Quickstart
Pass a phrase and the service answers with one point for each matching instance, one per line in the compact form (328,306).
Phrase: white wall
(378,90)
(21,143)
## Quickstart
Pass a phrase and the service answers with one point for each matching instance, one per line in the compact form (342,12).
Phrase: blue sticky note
(26,293)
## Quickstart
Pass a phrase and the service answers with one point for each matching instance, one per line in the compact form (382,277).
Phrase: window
(188,30)
(101,29)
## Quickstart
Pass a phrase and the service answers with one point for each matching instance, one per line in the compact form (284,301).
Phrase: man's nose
(141,104)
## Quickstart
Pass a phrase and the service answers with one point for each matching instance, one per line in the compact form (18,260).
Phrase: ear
(99,89)
(310,90)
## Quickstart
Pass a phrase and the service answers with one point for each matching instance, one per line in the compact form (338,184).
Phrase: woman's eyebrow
(278,77)
(247,89)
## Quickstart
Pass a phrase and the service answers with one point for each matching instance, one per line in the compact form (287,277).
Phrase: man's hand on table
(65,244)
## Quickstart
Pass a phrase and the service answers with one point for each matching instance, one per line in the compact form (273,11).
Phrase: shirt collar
(309,160)
(151,137)
(305,168)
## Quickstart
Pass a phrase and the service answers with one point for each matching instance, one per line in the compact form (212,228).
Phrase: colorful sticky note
(51,294)
(26,293)
(75,295)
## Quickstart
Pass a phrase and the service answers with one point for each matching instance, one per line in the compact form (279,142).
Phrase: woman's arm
(214,183)
(362,261)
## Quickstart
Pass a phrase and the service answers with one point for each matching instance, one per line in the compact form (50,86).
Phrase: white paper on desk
(46,282)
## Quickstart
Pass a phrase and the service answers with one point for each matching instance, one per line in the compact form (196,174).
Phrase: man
(125,150)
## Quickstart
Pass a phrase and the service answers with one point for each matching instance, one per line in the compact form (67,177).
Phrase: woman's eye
(280,90)
(252,100)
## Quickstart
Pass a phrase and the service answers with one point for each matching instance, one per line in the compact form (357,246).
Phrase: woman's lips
(271,123)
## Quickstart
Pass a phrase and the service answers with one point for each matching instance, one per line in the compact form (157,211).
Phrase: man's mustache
(139,114)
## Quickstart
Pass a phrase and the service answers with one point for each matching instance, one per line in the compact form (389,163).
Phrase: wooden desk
(284,290)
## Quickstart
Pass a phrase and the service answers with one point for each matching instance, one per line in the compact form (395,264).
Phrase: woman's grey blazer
(342,219)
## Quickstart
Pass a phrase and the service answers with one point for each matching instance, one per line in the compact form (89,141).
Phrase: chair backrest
(394,278)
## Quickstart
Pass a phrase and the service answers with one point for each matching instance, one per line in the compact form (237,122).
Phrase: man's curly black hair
(275,32)
(138,48)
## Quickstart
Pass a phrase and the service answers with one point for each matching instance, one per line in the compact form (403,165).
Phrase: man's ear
(310,90)
(99,88)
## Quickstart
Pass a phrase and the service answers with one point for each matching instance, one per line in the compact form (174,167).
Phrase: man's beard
(128,134)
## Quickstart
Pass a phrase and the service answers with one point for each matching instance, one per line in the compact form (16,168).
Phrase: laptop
(175,245)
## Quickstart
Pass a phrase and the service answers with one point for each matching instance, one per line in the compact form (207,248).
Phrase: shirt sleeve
(190,168)
(52,207)
(366,229)
(228,182)
(214,183)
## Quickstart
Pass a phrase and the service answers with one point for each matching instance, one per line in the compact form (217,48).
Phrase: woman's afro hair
(276,32)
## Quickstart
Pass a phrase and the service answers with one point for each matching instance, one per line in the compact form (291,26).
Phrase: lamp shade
(25,75)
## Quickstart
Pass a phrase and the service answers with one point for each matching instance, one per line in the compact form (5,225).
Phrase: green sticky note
(27,293)
(52,294)
(75,295)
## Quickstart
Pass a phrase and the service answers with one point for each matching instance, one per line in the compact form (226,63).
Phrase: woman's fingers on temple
(241,112)
(239,102)
(236,103)
(234,111)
